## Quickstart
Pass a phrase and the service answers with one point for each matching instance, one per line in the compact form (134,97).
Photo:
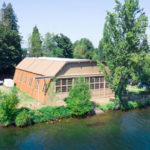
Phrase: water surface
(111,131)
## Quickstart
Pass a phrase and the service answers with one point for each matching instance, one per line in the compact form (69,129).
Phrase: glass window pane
(106,85)
(91,79)
(97,86)
(25,78)
(44,87)
(30,82)
(97,79)
(37,84)
(69,81)
(63,88)
(101,79)
(58,82)
(101,85)
(91,86)
(63,81)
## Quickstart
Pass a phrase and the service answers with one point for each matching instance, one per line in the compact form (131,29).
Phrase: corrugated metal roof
(46,66)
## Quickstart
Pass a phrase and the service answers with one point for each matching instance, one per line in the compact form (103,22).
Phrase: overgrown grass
(127,105)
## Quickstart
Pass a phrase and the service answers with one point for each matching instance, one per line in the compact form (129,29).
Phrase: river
(111,131)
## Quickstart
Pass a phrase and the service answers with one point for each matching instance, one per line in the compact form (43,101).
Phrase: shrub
(109,106)
(49,113)
(8,104)
(78,100)
(23,119)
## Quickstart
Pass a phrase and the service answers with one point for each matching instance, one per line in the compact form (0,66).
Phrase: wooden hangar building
(49,79)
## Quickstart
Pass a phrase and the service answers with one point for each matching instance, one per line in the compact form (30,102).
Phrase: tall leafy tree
(64,43)
(10,40)
(124,45)
(83,49)
(9,17)
(35,43)
(50,47)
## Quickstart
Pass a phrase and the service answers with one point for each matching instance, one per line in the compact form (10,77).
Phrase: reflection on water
(111,131)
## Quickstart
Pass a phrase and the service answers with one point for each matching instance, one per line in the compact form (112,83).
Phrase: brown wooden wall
(37,94)
(71,70)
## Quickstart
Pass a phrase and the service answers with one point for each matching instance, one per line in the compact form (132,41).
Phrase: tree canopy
(10,40)
(50,47)
(35,43)
(57,46)
(124,45)
(83,49)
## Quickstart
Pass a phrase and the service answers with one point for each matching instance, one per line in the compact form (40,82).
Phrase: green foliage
(124,45)
(78,100)
(64,43)
(83,49)
(50,47)
(35,43)
(57,46)
(23,119)
(109,106)
(126,106)
(8,110)
(146,71)
(10,40)
(50,113)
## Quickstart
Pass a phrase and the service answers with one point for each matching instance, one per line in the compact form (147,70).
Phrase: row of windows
(64,85)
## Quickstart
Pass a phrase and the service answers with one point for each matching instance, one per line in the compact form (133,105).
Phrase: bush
(23,119)
(78,100)
(8,104)
(49,113)
(109,106)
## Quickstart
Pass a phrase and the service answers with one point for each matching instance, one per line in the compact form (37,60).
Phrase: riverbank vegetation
(128,105)
(78,104)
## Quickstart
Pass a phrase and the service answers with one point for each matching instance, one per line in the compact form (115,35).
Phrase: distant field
(135,89)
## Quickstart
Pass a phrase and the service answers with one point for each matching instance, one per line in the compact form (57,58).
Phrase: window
(101,79)
(58,82)
(106,85)
(25,78)
(44,87)
(30,82)
(101,85)
(20,77)
(95,82)
(69,81)
(64,85)
(63,81)
(91,79)
(37,84)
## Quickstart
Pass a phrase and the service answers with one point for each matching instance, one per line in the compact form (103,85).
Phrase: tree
(9,17)
(78,100)
(124,45)
(146,72)
(83,49)
(50,47)
(64,43)
(10,40)
(100,50)
(35,43)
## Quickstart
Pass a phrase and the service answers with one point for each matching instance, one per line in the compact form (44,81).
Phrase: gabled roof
(46,66)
